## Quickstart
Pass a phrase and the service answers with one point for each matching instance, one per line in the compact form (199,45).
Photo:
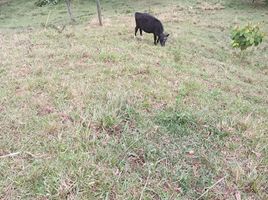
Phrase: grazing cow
(150,24)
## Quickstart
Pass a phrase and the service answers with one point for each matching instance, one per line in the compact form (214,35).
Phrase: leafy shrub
(41,3)
(246,37)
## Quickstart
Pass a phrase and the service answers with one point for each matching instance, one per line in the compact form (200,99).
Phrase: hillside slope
(92,113)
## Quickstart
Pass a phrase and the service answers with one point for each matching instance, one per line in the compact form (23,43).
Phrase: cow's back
(148,23)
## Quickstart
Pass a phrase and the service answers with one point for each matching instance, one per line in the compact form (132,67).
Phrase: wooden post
(68,4)
(99,11)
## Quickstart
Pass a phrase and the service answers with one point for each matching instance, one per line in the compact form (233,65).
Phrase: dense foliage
(246,37)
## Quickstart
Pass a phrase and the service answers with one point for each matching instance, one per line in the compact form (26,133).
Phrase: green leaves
(246,37)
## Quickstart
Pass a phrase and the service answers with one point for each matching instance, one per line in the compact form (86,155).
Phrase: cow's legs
(140,32)
(157,40)
(136,30)
(155,37)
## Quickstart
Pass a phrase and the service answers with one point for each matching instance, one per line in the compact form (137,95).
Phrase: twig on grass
(10,155)
(146,183)
(209,188)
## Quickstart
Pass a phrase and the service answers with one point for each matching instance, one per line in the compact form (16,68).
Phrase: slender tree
(99,11)
(68,4)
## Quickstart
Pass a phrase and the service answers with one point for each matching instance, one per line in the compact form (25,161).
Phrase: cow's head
(163,38)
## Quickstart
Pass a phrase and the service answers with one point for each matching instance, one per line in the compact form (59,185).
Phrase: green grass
(91,113)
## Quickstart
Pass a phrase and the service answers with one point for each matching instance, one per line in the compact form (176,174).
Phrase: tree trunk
(68,4)
(99,11)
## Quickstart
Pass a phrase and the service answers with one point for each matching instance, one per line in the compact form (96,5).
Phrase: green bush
(41,3)
(246,37)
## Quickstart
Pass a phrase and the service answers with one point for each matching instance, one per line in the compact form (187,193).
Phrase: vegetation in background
(41,3)
(266,1)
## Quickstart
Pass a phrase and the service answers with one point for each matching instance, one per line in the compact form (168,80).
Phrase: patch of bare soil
(209,6)
(106,22)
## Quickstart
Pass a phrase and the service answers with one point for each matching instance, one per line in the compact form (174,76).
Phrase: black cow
(150,24)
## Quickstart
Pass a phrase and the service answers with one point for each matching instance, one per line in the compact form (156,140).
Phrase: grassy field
(92,113)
